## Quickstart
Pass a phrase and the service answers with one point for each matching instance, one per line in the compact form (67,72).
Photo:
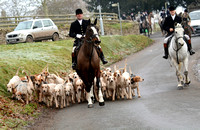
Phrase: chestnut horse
(88,63)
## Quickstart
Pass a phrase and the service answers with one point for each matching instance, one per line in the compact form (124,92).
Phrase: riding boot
(101,55)
(74,60)
(190,47)
(166,51)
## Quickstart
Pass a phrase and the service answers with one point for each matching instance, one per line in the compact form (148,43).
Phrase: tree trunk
(45,8)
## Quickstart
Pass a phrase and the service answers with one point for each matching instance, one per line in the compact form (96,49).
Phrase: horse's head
(179,34)
(92,32)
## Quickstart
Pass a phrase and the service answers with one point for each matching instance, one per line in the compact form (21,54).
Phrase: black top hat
(171,8)
(186,10)
(79,11)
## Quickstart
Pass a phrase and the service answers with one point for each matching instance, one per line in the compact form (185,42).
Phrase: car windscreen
(24,25)
(195,15)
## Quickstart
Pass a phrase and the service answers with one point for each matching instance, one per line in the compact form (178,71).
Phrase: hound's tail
(125,65)
(130,71)
(18,71)
(27,76)
(46,67)
(57,74)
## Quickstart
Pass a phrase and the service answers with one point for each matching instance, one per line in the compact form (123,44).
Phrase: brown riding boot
(190,47)
(166,51)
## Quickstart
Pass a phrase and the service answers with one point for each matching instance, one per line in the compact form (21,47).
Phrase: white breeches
(166,39)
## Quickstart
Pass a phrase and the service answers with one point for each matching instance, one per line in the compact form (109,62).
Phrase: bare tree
(19,7)
(61,6)
(3,13)
(43,7)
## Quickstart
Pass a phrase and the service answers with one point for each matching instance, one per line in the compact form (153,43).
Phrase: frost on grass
(30,54)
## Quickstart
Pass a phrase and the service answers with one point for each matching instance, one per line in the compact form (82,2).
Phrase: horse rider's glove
(78,35)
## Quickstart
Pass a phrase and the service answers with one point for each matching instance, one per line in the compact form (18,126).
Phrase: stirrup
(165,57)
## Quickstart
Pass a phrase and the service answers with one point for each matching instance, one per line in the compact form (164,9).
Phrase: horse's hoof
(180,87)
(101,103)
(90,105)
(188,83)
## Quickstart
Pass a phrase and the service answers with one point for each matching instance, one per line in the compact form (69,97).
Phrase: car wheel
(29,39)
(55,37)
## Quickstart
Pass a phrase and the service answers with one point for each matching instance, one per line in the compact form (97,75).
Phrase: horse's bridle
(91,37)
(177,38)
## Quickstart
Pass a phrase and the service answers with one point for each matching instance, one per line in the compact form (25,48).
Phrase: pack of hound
(64,89)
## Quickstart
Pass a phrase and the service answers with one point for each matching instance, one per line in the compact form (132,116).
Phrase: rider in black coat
(76,28)
(77,31)
(169,23)
(169,26)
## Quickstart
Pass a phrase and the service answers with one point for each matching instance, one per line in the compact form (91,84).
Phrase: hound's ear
(65,81)
(95,21)
(115,74)
(71,80)
(89,22)
(175,24)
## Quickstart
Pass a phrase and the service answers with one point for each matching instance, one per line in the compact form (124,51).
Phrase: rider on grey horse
(169,27)
(77,31)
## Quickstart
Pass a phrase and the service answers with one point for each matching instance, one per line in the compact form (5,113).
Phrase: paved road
(161,106)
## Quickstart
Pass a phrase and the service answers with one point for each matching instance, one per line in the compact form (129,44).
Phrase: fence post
(15,19)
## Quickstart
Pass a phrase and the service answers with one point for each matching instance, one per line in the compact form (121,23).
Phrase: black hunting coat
(76,28)
(169,23)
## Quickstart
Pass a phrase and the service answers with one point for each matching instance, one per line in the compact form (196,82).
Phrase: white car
(195,21)
(33,30)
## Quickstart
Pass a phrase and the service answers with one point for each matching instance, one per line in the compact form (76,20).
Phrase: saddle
(79,43)
(169,40)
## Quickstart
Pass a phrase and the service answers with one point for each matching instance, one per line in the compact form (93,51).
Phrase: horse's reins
(91,37)
(177,48)
(90,41)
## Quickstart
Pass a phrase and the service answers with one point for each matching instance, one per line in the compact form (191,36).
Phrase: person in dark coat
(77,31)
(163,14)
(169,27)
